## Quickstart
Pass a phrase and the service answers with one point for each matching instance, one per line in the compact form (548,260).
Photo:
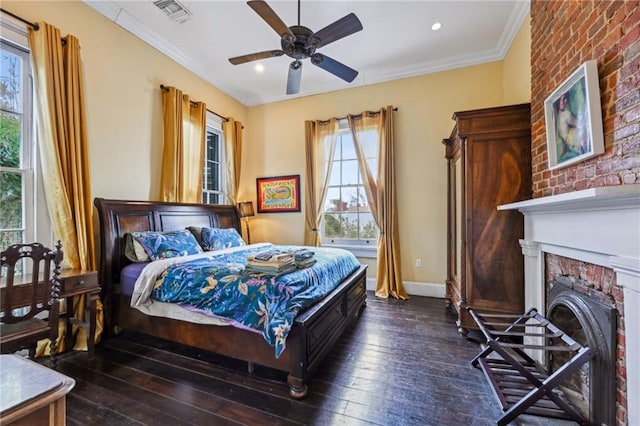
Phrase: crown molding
(113,12)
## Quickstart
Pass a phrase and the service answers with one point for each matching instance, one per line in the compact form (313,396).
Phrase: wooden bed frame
(312,335)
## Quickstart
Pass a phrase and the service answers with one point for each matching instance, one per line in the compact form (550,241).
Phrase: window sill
(365,252)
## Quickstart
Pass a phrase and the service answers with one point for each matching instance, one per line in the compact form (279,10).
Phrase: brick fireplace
(594,232)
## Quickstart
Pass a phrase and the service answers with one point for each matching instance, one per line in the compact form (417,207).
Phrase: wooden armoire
(489,164)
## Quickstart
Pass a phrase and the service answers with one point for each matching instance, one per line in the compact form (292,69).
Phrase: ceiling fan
(300,42)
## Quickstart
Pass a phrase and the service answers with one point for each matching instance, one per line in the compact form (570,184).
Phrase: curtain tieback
(314,229)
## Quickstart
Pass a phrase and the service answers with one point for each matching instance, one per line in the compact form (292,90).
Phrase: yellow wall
(517,68)
(124,107)
(124,115)
(275,146)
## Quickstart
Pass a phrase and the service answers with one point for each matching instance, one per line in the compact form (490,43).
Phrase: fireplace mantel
(599,226)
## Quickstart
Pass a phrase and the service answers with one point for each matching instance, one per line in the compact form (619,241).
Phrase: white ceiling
(396,42)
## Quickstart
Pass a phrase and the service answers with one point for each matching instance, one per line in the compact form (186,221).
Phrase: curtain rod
(355,115)
(166,89)
(36,27)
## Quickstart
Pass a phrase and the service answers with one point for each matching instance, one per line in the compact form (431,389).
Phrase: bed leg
(250,367)
(297,388)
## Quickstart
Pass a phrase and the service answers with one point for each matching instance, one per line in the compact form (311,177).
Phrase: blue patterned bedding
(220,286)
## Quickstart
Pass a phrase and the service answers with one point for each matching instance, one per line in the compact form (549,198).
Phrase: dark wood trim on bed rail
(312,335)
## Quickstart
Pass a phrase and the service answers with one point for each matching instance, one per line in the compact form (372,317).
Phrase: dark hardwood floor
(404,363)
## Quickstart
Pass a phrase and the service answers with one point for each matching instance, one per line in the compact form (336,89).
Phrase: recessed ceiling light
(436,26)
(259,67)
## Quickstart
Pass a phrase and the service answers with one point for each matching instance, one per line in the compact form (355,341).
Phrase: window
(17,147)
(23,210)
(347,219)
(213,183)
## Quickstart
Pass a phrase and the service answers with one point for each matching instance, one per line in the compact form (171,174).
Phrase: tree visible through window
(347,215)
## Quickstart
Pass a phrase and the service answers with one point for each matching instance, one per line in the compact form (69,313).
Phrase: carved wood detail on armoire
(488,164)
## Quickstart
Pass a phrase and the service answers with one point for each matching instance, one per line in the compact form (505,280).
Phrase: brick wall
(599,283)
(565,34)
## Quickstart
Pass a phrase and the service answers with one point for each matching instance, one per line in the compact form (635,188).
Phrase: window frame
(36,224)
(360,247)
(214,125)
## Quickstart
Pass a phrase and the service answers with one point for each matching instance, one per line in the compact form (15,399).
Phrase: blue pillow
(220,238)
(163,245)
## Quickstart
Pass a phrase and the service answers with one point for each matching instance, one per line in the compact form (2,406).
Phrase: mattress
(128,276)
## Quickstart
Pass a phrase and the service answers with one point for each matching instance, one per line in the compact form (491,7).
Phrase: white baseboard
(415,288)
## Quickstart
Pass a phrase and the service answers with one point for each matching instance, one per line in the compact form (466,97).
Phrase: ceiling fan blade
(270,17)
(255,56)
(334,67)
(341,28)
(293,80)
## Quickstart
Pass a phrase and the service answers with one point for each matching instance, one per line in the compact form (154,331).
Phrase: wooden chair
(20,324)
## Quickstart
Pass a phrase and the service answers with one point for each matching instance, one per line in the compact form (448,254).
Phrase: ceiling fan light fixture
(436,26)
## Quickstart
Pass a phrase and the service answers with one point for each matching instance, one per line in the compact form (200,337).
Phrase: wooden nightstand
(73,282)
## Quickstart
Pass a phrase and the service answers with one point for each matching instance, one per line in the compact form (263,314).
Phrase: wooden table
(31,394)
(73,282)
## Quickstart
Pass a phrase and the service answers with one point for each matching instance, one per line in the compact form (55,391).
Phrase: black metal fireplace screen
(593,324)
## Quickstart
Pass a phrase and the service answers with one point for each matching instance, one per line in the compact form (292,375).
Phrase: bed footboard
(321,326)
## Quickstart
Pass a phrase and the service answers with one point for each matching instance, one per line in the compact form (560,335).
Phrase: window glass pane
(333,202)
(332,226)
(212,146)
(350,172)
(368,228)
(8,238)
(335,174)
(10,200)
(363,203)
(10,135)
(350,197)
(348,148)
(10,82)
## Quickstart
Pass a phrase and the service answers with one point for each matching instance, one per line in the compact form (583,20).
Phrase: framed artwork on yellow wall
(573,118)
(278,194)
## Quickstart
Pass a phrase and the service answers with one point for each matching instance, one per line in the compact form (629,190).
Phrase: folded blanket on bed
(274,269)
(271,256)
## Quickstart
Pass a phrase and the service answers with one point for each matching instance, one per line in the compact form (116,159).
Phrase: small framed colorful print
(278,194)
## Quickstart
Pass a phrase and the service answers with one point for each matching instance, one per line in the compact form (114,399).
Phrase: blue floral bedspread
(220,286)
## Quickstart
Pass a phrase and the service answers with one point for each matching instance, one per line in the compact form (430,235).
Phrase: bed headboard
(118,217)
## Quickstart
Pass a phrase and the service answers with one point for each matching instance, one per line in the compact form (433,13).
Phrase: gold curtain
(184,141)
(320,145)
(232,133)
(64,154)
(381,195)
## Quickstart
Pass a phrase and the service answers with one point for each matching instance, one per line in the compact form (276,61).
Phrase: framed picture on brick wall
(573,118)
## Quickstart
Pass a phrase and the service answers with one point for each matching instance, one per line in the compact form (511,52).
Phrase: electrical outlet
(418,263)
